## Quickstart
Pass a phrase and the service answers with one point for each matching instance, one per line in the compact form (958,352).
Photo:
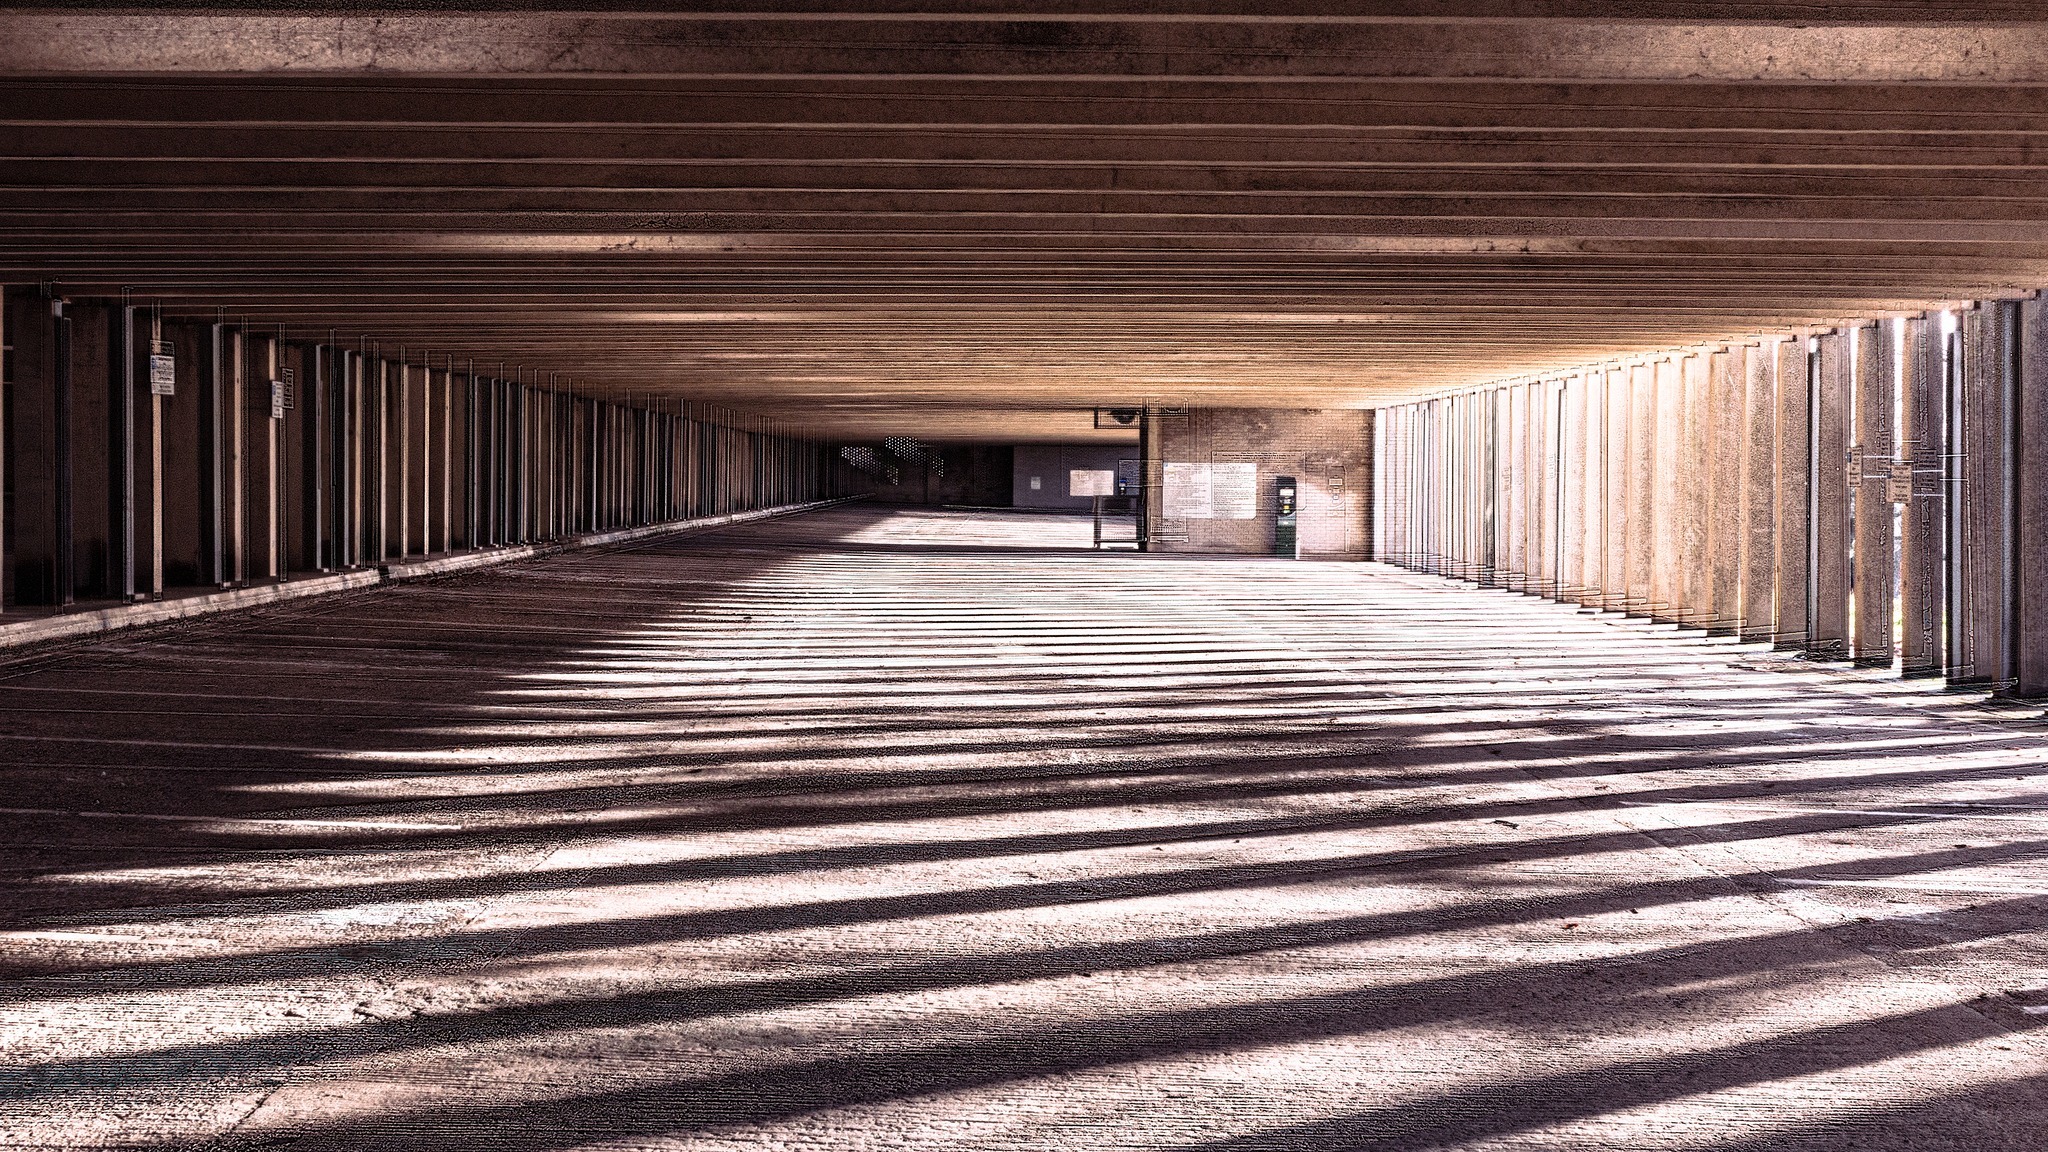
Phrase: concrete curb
(121,616)
(445,565)
(93,622)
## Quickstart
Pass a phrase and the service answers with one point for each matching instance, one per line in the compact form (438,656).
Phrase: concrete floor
(877,830)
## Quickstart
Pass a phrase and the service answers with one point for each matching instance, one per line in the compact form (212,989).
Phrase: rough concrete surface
(889,829)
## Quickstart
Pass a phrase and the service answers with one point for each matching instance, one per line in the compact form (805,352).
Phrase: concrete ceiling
(959,222)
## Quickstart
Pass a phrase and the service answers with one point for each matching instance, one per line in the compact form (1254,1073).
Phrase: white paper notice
(1089,482)
(1186,492)
(1234,491)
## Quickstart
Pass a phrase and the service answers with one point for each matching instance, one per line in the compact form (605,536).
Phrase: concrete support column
(444,400)
(144,480)
(373,435)
(1828,637)
(1691,496)
(315,424)
(1548,440)
(493,404)
(63,577)
(1510,407)
(8,325)
(542,482)
(1759,482)
(149,465)
(592,486)
(1617,463)
(508,462)
(295,368)
(1924,519)
(1722,461)
(214,436)
(1876,375)
(93,376)
(362,432)
(1573,507)
(264,467)
(352,456)
(421,404)
(519,459)
(1473,485)
(1640,532)
(1666,432)
(2030,473)
(1981,401)
(401,428)
(1535,483)
(1384,438)
(1790,616)
(125,454)
(474,534)
(1596,513)
(234,402)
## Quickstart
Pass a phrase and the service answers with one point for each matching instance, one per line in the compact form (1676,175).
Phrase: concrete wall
(1327,451)
(1762,490)
(376,462)
(1049,464)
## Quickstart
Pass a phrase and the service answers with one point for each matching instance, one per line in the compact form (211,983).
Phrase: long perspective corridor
(873,827)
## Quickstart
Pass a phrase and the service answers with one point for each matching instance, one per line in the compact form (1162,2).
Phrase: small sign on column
(163,369)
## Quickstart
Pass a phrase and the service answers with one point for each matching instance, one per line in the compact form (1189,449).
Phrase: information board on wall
(1234,491)
(1210,491)
(1186,492)
(1090,482)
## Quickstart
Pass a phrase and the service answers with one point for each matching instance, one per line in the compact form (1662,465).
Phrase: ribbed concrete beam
(1539,48)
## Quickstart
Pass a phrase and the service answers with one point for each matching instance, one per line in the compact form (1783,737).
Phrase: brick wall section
(1327,451)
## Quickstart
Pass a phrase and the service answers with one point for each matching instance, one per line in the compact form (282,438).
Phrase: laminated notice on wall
(1091,482)
(1185,494)
(163,370)
(1234,491)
